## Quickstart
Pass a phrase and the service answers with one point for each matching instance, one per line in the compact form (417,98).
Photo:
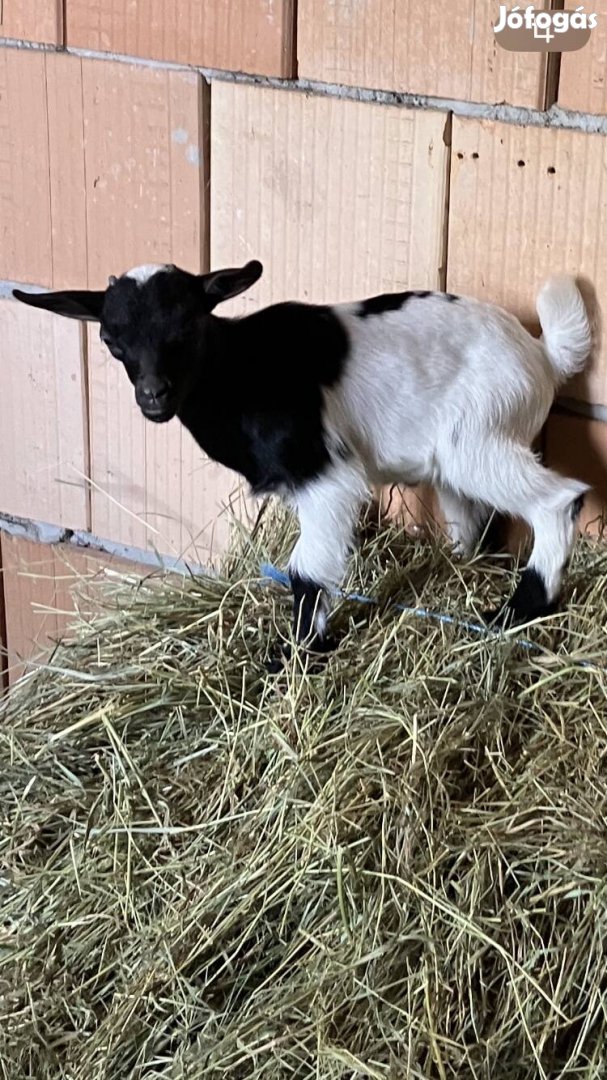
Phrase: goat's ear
(83,304)
(224,284)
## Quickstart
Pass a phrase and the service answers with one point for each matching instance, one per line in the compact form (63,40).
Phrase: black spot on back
(377,305)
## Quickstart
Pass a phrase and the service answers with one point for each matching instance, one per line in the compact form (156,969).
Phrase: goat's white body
(433,380)
(452,393)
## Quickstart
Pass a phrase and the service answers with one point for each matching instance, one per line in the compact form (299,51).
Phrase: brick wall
(355,147)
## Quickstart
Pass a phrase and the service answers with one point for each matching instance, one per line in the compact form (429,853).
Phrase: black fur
(377,305)
(249,390)
(256,404)
(307,595)
(576,507)
(529,602)
(493,539)
(82,304)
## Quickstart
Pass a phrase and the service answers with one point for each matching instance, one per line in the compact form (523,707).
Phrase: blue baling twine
(272,573)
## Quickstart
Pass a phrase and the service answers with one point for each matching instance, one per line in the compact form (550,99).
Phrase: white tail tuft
(566,332)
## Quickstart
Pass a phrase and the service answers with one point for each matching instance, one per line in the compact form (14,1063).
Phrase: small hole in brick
(460,155)
(521,164)
(475,156)
(551,170)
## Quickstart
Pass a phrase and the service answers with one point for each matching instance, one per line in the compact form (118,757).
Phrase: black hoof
(277,658)
(507,618)
(492,541)
(499,618)
(321,646)
(314,654)
(274,665)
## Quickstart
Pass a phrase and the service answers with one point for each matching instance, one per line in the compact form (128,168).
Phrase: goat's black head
(154,319)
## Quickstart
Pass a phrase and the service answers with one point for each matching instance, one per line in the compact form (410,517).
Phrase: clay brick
(256,36)
(32,20)
(87,145)
(417,46)
(43,428)
(524,204)
(583,75)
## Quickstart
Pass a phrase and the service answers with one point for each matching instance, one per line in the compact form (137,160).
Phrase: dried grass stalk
(394,868)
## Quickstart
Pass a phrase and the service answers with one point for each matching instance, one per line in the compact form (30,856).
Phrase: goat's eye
(115,349)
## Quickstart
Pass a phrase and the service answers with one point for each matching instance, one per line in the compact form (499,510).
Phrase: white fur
(565,327)
(452,394)
(327,509)
(142,274)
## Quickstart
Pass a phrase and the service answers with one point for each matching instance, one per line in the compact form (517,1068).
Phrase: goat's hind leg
(464,520)
(554,523)
(511,479)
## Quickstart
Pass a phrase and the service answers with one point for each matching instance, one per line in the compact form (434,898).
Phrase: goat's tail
(566,330)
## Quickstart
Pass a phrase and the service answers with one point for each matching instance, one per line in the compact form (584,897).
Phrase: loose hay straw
(394,868)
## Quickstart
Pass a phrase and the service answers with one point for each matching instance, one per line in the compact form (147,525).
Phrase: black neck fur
(256,403)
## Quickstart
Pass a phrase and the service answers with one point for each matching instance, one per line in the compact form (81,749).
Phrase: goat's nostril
(154,392)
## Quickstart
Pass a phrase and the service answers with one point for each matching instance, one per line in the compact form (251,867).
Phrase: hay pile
(394,868)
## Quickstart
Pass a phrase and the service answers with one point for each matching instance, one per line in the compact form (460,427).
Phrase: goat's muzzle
(156,399)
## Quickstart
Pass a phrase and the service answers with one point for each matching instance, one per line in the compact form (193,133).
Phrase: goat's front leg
(328,509)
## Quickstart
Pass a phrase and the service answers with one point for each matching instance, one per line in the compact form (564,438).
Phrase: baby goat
(317,403)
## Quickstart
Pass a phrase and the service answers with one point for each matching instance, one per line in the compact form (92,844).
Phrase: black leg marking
(529,602)
(307,602)
(277,658)
(492,538)
(308,598)
(576,506)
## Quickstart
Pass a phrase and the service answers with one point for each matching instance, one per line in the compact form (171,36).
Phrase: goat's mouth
(159,415)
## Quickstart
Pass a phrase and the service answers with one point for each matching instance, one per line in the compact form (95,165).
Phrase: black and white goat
(318,403)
